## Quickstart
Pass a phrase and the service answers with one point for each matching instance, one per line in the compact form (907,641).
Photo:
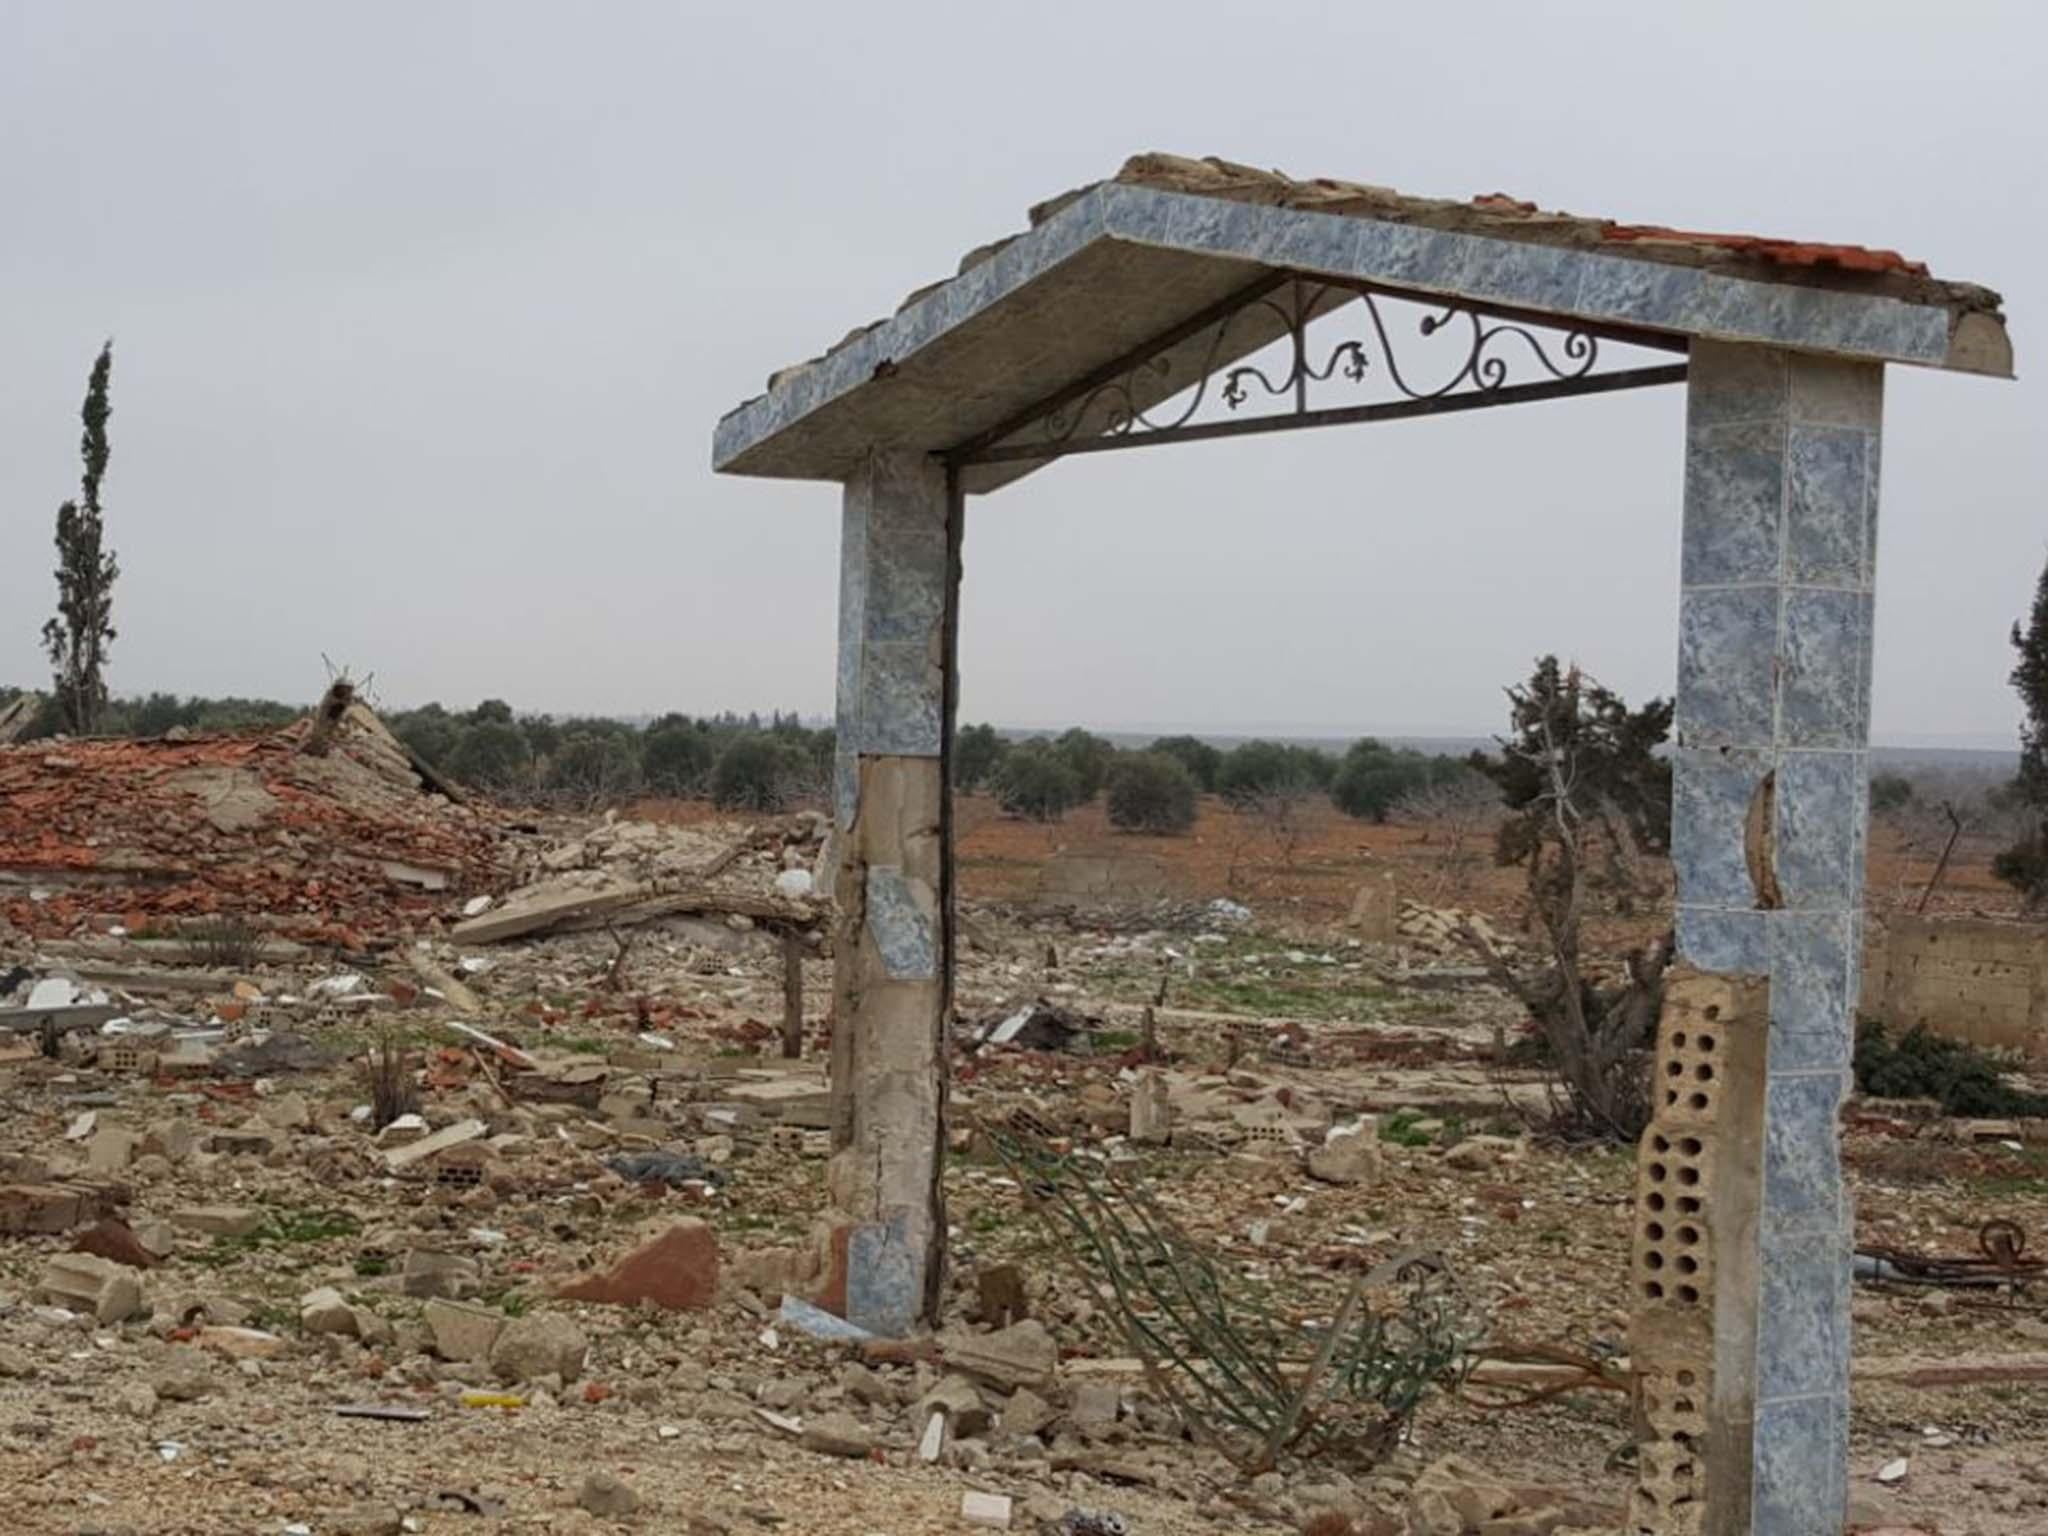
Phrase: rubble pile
(582,1279)
(1438,929)
(624,872)
(344,845)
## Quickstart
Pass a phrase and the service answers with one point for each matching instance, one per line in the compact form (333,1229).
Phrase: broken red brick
(677,1270)
(116,1240)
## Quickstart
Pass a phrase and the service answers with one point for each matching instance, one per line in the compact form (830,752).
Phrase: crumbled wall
(1974,980)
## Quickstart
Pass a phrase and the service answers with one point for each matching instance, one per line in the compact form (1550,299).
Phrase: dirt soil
(162,1422)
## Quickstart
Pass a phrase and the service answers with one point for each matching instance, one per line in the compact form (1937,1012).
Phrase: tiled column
(892,955)
(1769,813)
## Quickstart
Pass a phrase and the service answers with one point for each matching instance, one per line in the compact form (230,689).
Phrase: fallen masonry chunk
(819,1323)
(241,1343)
(84,1282)
(185,1376)
(402,1132)
(42,1207)
(112,1149)
(865,1386)
(677,1270)
(327,1311)
(959,1401)
(172,1140)
(1094,1405)
(838,1434)
(1477,1152)
(1022,1355)
(1349,1154)
(244,1141)
(287,1112)
(429,1272)
(366,1520)
(1026,1413)
(990,1510)
(219,1220)
(606,1496)
(156,1236)
(463,1332)
(1151,1113)
(544,1344)
(427,1146)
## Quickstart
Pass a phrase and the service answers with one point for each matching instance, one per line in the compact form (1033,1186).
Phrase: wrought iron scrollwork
(1116,408)
(1157,392)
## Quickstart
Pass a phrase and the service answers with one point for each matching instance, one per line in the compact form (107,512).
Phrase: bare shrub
(1458,816)
(224,943)
(388,1075)
(1948,815)
(1275,821)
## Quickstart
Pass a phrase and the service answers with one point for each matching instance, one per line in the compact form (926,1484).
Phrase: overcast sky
(424,313)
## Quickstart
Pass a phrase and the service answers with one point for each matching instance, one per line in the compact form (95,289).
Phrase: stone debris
(1349,1154)
(184,1376)
(541,1344)
(242,1343)
(366,1520)
(406,1155)
(532,1257)
(838,1434)
(607,1497)
(429,1272)
(218,1220)
(989,1511)
(462,1332)
(958,1402)
(101,1289)
(1022,1355)
(326,1311)
(1438,929)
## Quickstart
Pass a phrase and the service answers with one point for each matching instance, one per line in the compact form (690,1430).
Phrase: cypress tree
(78,638)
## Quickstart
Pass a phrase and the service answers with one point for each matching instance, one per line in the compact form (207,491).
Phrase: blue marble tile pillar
(892,954)
(1770,805)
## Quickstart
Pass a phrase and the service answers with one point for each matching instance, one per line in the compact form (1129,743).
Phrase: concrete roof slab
(1119,263)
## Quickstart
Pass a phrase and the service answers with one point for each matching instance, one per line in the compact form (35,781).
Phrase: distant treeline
(775,761)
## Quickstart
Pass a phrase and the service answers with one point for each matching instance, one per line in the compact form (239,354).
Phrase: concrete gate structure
(1123,318)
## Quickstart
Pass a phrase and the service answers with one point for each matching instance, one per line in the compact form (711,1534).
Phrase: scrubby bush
(1261,768)
(676,758)
(761,772)
(1088,757)
(1200,759)
(1035,782)
(1150,792)
(1373,777)
(977,753)
(430,731)
(1889,792)
(1923,1065)
(492,755)
(591,768)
